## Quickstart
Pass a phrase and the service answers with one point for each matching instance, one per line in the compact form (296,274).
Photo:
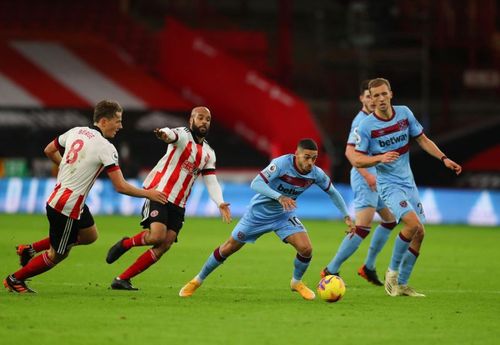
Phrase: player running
(188,155)
(82,153)
(384,141)
(273,209)
(366,202)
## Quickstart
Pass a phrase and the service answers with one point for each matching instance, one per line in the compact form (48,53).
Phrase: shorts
(248,230)
(364,197)
(63,230)
(401,200)
(171,215)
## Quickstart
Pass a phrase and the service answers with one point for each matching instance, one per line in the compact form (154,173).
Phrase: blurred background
(271,71)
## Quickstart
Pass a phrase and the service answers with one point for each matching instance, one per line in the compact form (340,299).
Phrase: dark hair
(379,82)
(364,86)
(107,109)
(307,144)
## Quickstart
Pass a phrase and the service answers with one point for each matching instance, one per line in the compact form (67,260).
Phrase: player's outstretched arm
(431,148)
(123,187)
(215,192)
(165,134)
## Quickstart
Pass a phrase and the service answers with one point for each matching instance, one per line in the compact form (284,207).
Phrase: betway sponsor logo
(393,140)
(284,190)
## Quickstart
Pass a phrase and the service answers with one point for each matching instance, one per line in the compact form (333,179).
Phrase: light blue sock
(214,260)
(300,265)
(400,247)
(379,238)
(406,267)
(347,248)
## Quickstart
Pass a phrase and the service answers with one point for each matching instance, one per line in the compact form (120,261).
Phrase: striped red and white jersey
(176,171)
(86,154)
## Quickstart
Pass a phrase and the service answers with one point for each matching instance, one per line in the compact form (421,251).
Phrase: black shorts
(63,230)
(169,214)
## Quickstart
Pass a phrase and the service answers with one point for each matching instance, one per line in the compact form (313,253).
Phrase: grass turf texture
(247,300)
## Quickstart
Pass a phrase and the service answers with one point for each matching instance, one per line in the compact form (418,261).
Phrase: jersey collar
(97,129)
(385,120)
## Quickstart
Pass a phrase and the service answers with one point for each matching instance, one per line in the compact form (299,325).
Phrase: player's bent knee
(420,233)
(305,251)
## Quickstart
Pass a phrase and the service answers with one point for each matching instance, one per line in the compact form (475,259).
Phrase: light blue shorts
(401,200)
(364,197)
(248,229)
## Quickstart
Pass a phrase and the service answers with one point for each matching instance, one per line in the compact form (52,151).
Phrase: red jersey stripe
(189,178)
(54,193)
(402,150)
(177,170)
(63,199)
(75,212)
(160,174)
(296,181)
(403,124)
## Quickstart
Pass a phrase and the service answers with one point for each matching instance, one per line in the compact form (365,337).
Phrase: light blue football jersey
(356,177)
(377,136)
(282,176)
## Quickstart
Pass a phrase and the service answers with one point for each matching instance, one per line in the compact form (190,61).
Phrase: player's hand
(452,165)
(156,195)
(160,134)
(351,226)
(371,181)
(225,212)
(287,203)
(389,157)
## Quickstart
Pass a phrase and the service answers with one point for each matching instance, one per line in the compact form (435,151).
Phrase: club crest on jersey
(153,214)
(403,124)
(403,203)
(269,170)
(190,168)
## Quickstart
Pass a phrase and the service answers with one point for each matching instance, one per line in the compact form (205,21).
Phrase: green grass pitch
(247,300)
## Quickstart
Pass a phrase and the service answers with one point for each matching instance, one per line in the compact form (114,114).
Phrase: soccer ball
(331,288)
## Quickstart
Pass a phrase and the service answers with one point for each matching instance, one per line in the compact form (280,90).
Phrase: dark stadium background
(442,58)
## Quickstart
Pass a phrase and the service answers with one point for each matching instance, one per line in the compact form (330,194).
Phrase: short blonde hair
(379,82)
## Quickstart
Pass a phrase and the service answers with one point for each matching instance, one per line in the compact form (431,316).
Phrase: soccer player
(366,202)
(272,209)
(82,153)
(188,155)
(383,140)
